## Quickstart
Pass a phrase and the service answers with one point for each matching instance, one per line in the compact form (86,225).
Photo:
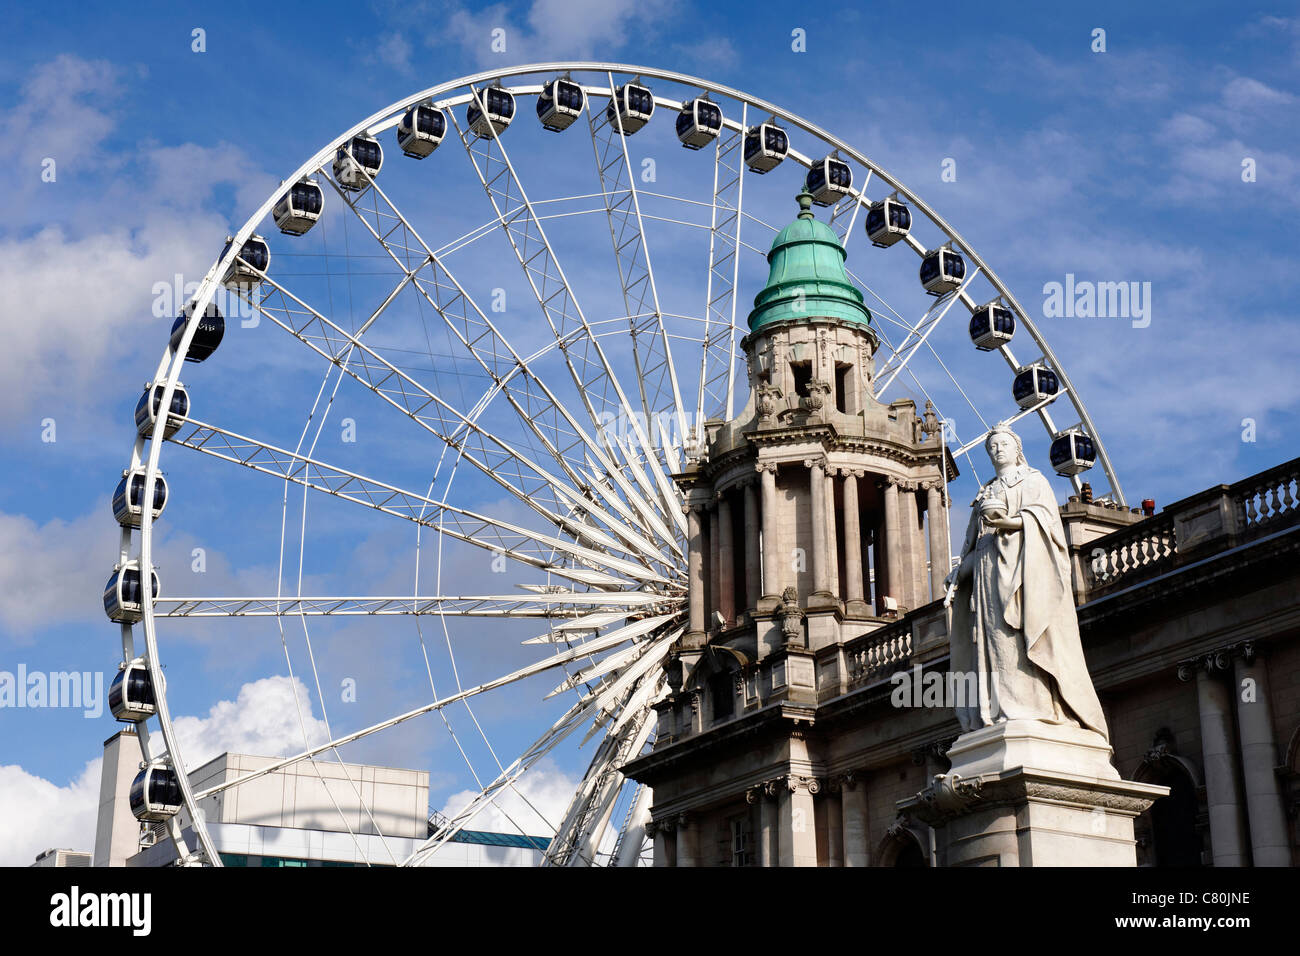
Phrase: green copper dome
(806,277)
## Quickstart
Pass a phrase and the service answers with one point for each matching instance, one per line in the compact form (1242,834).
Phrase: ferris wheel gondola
(560,103)
(699,123)
(490,112)
(766,147)
(130,696)
(421,130)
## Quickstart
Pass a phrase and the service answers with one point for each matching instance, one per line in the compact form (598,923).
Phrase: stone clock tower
(817,516)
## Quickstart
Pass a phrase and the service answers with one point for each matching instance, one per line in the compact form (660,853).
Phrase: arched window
(1168,834)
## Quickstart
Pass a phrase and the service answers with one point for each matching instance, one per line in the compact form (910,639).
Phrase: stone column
(938,528)
(687,849)
(1268,836)
(853,807)
(854,604)
(911,546)
(715,565)
(695,568)
(726,561)
(765,839)
(665,845)
(817,518)
(893,544)
(1222,787)
(753,564)
(798,831)
(834,828)
(772,577)
(832,538)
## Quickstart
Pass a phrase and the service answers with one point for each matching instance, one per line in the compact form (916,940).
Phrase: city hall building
(782,741)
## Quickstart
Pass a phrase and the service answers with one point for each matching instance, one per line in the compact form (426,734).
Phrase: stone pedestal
(1030,793)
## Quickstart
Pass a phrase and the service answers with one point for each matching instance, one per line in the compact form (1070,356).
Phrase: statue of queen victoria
(1013,618)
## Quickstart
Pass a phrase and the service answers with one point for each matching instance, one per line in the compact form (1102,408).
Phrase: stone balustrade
(1213,520)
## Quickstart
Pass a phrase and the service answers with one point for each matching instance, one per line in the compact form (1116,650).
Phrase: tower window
(724,700)
(802,372)
(842,387)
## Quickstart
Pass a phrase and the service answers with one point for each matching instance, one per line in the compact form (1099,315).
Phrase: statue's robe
(1014,619)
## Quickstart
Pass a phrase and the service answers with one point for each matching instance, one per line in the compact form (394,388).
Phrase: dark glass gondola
(766,145)
(942,271)
(829,180)
(1033,385)
(122,593)
(129,496)
(887,222)
(420,131)
(299,208)
(699,123)
(1073,453)
(146,411)
(211,330)
(252,262)
(155,793)
(495,114)
(130,696)
(991,326)
(633,105)
(357,162)
(560,103)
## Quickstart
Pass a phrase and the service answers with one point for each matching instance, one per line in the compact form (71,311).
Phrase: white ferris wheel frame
(169,369)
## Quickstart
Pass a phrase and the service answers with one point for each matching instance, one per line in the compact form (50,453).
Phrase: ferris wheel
(534,316)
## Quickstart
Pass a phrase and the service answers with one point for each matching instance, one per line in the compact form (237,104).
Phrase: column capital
(815,463)
(766,466)
(1215,662)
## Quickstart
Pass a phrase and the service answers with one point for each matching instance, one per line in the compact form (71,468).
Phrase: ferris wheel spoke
(534,403)
(556,606)
(592,374)
(500,461)
(578,838)
(601,643)
(632,835)
(515,542)
(918,335)
(718,359)
(656,376)
(547,742)
(589,368)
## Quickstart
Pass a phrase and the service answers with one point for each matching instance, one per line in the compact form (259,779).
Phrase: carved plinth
(1029,793)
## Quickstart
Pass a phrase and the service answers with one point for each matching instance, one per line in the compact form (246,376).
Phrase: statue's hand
(1006,524)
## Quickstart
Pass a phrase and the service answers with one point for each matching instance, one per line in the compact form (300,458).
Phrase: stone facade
(787,749)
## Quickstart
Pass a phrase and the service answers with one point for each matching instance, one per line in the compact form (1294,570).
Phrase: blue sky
(1123,165)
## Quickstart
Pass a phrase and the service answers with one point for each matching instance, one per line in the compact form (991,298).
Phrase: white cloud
(547,788)
(58,570)
(76,295)
(262,720)
(1244,93)
(36,814)
(556,29)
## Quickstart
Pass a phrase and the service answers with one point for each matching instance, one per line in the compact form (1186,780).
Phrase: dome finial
(805,204)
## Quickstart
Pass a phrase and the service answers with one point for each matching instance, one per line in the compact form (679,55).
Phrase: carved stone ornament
(950,793)
(768,395)
(818,391)
(791,616)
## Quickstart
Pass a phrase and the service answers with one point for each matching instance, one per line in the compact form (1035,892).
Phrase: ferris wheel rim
(168,373)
